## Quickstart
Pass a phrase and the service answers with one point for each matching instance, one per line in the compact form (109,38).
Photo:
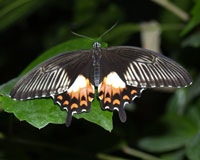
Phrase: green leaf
(11,11)
(1,135)
(179,130)
(177,155)
(192,41)
(195,20)
(40,112)
(193,148)
(180,101)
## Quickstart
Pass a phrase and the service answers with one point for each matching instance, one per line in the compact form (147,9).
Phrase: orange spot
(74,105)
(83,93)
(102,86)
(101,97)
(116,101)
(133,91)
(60,98)
(108,99)
(75,94)
(108,90)
(125,97)
(83,102)
(90,98)
(115,91)
(121,89)
(66,103)
(90,88)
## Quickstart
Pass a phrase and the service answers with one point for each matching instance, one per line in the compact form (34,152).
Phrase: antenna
(108,30)
(79,35)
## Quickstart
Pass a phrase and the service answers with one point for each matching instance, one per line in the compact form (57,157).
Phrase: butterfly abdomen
(96,63)
(96,75)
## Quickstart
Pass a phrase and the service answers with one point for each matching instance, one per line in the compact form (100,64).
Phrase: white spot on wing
(115,108)
(83,110)
(114,80)
(125,103)
(80,82)
(135,83)
(134,97)
(107,107)
(64,107)
(74,112)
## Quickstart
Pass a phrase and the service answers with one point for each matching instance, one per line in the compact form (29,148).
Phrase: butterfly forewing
(146,69)
(53,76)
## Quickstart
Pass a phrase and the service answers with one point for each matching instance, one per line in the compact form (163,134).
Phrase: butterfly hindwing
(113,94)
(77,98)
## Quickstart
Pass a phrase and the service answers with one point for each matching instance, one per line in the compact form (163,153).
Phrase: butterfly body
(119,73)
(96,62)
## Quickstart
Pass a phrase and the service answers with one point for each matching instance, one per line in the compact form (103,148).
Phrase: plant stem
(138,154)
(170,6)
(109,157)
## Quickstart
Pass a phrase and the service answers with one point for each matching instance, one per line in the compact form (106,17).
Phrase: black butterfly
(120,73)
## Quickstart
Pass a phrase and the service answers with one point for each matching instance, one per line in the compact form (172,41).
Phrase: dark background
(35,26)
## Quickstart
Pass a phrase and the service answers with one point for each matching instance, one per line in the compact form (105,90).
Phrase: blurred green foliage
(163,125)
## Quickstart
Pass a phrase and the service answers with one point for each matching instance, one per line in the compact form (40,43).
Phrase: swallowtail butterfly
(120,74)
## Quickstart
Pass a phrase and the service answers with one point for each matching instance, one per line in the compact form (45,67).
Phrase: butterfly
(119,73)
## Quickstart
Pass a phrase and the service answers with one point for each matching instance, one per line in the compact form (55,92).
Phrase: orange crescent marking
(108,90)
(121,89)
(133,91)
(126,97)
(90,88)
(83,102)
(115,90)
(102,86)
(83,93)
(75,94)
(101,97)
(116,101)
(60,98)
(107,99)
(74,105)
(66,103)
(90,99)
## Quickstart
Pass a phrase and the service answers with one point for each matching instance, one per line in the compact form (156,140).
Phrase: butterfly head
(96,45)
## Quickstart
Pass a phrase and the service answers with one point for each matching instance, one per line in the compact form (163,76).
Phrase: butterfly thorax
(96,62)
